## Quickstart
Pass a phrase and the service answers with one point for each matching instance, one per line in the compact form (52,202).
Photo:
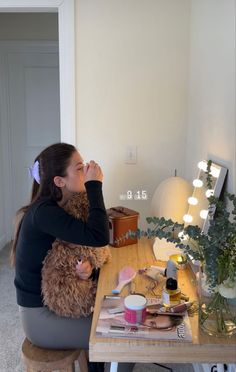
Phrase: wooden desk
(204,349)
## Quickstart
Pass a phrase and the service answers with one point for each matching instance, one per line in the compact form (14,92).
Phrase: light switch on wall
(131,155)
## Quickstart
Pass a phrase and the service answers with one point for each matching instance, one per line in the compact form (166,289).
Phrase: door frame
(66,33)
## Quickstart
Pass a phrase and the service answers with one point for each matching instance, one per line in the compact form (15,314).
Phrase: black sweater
(44,222)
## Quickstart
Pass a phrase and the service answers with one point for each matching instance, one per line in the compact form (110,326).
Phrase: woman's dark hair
(174,322)
(53,161)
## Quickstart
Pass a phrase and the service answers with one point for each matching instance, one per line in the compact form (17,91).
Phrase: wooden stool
(38,359)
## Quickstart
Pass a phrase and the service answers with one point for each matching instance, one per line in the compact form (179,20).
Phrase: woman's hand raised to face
(92,172)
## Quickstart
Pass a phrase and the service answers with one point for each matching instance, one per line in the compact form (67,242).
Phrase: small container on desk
(121,220)
(135,309)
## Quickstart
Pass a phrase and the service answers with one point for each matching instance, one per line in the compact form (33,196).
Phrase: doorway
(31,120)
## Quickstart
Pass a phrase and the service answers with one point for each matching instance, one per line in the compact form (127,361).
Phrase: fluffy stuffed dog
(63,291)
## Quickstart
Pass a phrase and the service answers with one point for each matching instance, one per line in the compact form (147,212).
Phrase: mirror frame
(221,173)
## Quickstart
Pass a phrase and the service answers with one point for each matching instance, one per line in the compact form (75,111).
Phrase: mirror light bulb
(197,183)
(209,193)
(203,213)
(192,200)
(187,218)
(215,172)
(182,236)
(202,165)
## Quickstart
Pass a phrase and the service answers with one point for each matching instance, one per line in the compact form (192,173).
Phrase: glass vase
(217,314)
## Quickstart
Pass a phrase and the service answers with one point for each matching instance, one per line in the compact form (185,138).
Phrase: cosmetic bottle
(171,293)
(135,308)
(171,270)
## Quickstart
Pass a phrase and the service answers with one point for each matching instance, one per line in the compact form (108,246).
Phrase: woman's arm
(51,219)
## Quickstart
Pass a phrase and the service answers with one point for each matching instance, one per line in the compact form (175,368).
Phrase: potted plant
(216,251)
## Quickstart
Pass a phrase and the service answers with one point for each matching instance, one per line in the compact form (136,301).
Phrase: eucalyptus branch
(208,173)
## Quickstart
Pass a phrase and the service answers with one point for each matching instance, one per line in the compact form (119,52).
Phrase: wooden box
(121,220)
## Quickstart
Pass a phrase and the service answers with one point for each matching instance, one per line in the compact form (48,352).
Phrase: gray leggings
(46,329)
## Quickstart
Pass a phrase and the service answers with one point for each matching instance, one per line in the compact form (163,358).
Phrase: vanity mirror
(197,208)
(198,203)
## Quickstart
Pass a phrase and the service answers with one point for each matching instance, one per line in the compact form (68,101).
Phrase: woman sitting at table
(58,172)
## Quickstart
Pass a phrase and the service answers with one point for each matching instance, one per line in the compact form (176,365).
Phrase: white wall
(28,26)
(211,117)
(132,71)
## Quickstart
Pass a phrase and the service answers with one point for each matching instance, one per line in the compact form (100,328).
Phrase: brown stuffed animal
(63,291)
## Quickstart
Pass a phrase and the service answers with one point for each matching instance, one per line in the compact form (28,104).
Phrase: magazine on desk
(111,323)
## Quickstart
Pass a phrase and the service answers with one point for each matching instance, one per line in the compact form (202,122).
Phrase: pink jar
(135,308)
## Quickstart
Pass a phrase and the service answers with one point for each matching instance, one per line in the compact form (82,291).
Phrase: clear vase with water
(217,314)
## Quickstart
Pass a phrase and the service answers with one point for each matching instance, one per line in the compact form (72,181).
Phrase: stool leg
(83,363)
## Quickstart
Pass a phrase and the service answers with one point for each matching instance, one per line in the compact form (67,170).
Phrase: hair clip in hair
(34,172)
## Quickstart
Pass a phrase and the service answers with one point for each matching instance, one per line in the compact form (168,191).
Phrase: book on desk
(111,323)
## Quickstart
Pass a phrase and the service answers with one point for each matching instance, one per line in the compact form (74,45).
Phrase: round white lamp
(170,200)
